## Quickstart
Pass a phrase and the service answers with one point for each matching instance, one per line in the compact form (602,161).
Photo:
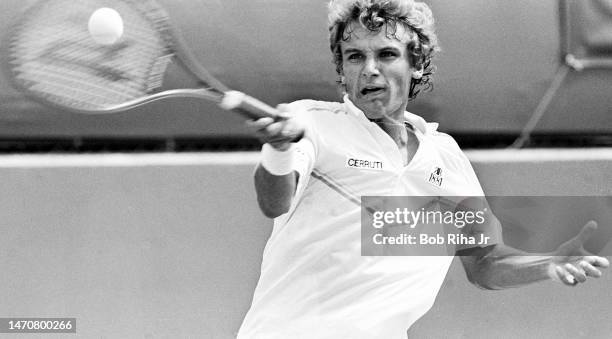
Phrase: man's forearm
(274,193)
(500,266)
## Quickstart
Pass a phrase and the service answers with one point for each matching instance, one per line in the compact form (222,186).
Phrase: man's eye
(387,54)
(354,57)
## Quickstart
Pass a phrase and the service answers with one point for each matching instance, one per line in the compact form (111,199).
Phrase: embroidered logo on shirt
(352,162)
(436,177)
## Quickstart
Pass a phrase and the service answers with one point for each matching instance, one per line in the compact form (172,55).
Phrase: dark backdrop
(498,58)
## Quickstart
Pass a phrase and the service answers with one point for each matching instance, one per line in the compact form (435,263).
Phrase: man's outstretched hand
(572,264)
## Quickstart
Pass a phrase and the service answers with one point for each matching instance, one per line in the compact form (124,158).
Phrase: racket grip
(254,109)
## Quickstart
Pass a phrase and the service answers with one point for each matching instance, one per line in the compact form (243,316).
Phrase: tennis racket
(52,57)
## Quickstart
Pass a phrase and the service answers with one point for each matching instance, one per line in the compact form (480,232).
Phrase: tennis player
(314,281)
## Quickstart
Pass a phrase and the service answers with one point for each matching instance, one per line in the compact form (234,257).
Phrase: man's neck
(395,129)
(392,123)
(404,138)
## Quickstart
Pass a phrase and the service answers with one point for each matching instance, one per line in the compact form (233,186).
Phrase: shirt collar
(416,121)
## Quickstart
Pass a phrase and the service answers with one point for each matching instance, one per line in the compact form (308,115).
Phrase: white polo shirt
(314,282)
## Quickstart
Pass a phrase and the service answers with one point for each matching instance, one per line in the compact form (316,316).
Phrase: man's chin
(373,109)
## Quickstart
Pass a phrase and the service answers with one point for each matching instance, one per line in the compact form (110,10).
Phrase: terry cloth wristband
(277,162)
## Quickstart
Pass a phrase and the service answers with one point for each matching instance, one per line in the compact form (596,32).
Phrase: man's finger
(275,129)
(564,276)
(597,261)
(576,272)
(589,269)
(259,124)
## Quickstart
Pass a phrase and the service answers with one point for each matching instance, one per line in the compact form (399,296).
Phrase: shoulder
(316,107)
(449,150)
(320,117)
(445,144)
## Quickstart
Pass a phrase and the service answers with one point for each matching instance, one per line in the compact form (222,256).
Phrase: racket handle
(254,109)
(247,106)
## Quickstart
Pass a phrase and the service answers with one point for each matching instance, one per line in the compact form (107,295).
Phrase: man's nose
(370,68)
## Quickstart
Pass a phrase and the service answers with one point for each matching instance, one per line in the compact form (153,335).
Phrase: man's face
(377,71)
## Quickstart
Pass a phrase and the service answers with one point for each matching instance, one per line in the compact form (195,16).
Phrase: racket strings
(53,55)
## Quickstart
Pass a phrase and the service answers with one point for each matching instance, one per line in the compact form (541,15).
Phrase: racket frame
(247,106)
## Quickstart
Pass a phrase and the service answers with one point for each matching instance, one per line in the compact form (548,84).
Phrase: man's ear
(417,73)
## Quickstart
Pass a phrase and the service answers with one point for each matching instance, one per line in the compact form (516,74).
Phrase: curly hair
(374,15)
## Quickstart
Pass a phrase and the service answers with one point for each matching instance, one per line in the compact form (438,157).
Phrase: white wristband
(277,162)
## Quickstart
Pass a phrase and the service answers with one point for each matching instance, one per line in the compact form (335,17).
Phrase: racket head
(52,57)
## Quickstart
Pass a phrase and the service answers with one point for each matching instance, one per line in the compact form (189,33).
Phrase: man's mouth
(372,90)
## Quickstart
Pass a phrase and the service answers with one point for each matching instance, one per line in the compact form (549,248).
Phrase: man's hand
(279,133)
(572,264)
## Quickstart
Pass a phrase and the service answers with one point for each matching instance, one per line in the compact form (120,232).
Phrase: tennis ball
(105,26)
